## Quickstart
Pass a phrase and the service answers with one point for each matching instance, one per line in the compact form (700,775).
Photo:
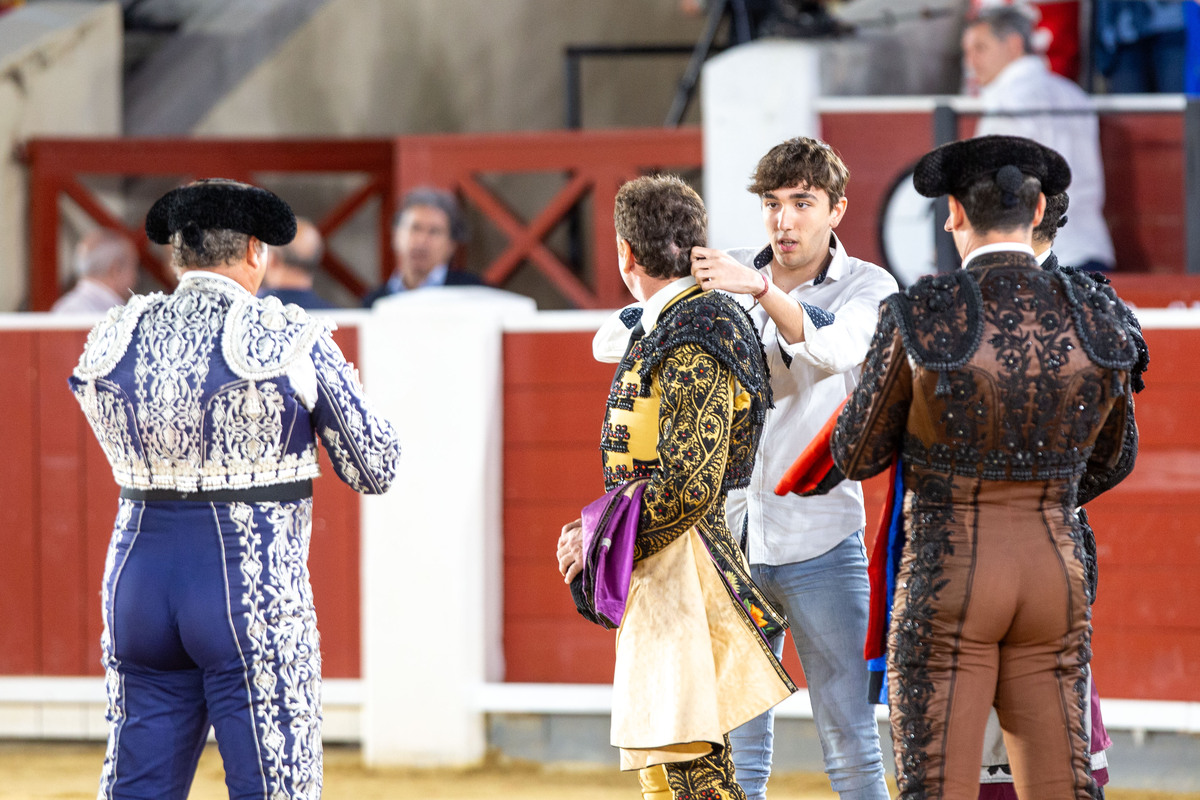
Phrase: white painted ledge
(74,707)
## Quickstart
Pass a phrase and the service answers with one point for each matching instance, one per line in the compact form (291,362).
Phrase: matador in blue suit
(208,403)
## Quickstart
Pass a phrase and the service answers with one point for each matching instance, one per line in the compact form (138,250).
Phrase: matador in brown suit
(1004,390)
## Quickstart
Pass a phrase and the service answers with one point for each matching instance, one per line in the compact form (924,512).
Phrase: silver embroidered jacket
(212,388)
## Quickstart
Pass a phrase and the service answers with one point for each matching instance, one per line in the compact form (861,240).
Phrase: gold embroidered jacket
(685,411)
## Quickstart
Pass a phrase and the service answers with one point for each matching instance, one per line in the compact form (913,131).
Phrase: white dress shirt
(1027,84)
(436,277)
(88,297)
(809,380)
(655,304)
(612,339)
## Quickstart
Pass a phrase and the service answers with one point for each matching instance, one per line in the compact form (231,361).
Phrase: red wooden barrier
(593,165)
(60,501)
(20,589)
(1143,165)
(1147,621)
(1147,617)
(57,165)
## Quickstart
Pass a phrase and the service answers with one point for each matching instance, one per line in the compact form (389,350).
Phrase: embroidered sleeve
(1115,452)
(836,340)
(693,447)
(870,429)
(362,446)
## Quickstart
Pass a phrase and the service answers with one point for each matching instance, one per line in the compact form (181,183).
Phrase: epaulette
(1142,363)
(108,341)
(947,326)
(1101,321)
(264,337)
(720,326)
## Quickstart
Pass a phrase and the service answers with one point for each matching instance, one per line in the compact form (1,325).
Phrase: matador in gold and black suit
(1005,391)
(685,412)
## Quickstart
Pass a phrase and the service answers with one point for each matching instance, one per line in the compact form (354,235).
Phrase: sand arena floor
(68,771)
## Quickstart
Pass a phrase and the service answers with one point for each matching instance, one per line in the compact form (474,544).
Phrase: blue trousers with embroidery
(209,620)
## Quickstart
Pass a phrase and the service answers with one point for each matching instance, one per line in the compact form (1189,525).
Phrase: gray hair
(215,247)
(1003,21)
(102,251)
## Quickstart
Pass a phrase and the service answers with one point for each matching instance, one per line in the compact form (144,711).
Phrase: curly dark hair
(1054,218)
(662,218)
(801,161)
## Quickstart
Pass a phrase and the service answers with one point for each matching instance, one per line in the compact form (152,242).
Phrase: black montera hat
(217,203)
(955,166)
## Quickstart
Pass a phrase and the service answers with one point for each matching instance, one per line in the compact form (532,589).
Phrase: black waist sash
(278,493)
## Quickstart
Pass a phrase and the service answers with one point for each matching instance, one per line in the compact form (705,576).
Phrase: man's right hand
(716,269)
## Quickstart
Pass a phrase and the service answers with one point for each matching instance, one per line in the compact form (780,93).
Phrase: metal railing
(946,128)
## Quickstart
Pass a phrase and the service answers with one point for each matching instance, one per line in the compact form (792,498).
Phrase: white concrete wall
(755,96)
(432,554)
(60,75)
(387,67)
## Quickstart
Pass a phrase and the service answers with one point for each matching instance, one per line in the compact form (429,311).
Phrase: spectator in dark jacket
(428,229)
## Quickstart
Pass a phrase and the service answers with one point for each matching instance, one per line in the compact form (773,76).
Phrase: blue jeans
(825,600)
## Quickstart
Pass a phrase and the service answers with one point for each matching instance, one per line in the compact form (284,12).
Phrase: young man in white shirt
(816,309)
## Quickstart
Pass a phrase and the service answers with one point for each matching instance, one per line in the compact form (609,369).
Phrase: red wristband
(766,288)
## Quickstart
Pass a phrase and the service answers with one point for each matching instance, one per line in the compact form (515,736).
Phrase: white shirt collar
(436,277)
(997,247)
(197,274)
(1042,258)
(839,263)
(658,301)
(836,269)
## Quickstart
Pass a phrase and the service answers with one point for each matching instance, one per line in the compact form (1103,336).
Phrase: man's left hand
(570,550)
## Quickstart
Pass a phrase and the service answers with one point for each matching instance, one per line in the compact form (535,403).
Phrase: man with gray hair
(1022,97)
(208,403)
(106,269)
(427,231)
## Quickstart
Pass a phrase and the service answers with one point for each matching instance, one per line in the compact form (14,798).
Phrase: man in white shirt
(816,309)
(998,55)
(106,268)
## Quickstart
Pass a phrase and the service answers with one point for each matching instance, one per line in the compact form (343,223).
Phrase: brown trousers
(990,610)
